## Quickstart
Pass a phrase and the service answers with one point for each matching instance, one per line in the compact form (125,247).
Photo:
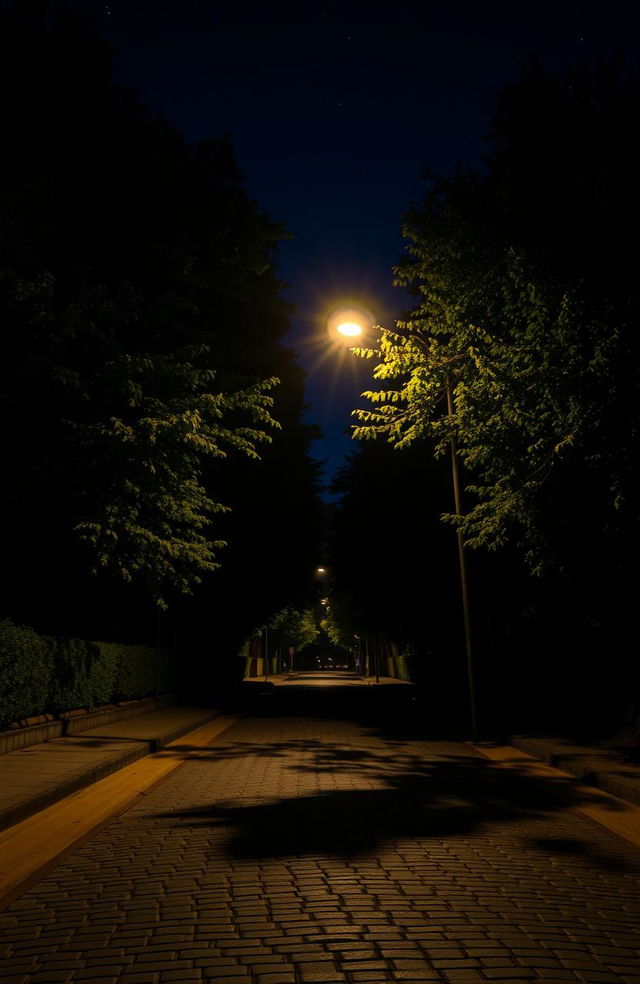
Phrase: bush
(26,672)
(39,673)
(137,671)
(137,667)
(83,675)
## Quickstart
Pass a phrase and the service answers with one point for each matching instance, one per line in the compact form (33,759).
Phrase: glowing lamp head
(349,329)
(347,325)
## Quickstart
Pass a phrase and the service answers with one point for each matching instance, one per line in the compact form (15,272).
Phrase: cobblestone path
(321,851)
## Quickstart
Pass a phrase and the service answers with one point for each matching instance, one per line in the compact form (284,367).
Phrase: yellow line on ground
(29,848)
(619,817)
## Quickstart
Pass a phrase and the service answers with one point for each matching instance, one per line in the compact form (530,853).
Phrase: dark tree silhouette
(142,342)
(527,306)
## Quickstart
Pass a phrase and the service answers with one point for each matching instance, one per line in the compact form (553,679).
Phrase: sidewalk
(597,765)
(33,778)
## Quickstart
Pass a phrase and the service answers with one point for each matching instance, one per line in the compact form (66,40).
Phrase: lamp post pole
(266,654)
(464,588)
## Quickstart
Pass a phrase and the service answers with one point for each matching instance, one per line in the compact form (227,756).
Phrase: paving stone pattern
(301,851)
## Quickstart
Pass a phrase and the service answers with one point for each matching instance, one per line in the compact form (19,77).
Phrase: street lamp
(349,329)
(350,324)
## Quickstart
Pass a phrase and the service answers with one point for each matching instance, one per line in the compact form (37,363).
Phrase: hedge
(83,676)
(42,673)
(26,672)
(136,669)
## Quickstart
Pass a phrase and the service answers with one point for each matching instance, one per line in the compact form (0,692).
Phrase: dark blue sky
(334,108)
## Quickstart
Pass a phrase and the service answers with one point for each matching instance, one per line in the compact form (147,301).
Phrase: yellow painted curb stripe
(28,848)
(618,816)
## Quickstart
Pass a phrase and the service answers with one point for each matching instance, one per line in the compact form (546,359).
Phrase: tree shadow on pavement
(572,847)
(360,798)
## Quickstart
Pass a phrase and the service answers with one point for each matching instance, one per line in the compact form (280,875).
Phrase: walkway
(294,851)
(34,777)
(326,678)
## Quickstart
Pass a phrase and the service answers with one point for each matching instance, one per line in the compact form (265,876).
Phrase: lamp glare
(349,329)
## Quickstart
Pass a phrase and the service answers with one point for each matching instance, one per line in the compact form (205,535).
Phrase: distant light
(321,570)
(350,329)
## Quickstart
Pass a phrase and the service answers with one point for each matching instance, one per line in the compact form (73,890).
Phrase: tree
(338,625)
(139,502)
(523,363)
(536,363)
(526,306)
(290,627)
(142,342)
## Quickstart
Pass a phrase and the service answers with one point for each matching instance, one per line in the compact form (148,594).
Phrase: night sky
(334,110)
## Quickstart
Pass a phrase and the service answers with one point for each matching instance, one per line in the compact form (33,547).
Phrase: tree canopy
(294,628)
(525,311)
(142,336)
(526,308)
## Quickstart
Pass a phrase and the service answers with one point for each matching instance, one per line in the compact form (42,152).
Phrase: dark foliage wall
(526,308)
(143,329)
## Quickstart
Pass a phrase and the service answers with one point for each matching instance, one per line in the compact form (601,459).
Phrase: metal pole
(156,684)
(266,654)
(463,575)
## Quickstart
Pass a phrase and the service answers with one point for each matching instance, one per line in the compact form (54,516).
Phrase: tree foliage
(142,422)
(291,627)
(142,333)
(339,625)
(526,311)
(526,308)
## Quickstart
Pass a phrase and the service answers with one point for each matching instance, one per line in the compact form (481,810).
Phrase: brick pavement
(304,851)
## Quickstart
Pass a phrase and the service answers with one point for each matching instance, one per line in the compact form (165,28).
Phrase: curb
(25,809)
(145,746)
(610,778)
(75,722)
